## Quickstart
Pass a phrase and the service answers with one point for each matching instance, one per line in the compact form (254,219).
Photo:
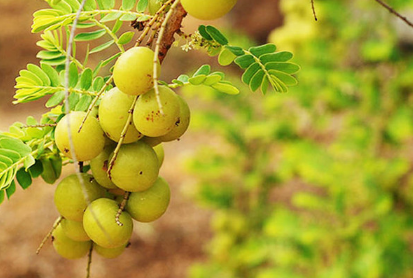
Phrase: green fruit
(113,114)
(100,224)
(87,143)
(99,166)
(70,199)
(149,205)
(181,124)
(151,141)
(208,10)
(68,248)
(160,153)
(147,116)
(133,71)
(109,253)
(155,5)
(136,167)
(74,230)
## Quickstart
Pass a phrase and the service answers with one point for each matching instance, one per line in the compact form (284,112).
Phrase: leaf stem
(56,223)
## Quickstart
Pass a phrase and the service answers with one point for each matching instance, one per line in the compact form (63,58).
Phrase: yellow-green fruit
(151,141)
(208,10)
(147,116)
(100,224)
(68,248)
(160,153)
(133,71)
(99,166)
(74,230)
(87,143)
(181,124)
(149,205)
(113,115)
(70,199)
(136,167)
(109,253)
(155,5)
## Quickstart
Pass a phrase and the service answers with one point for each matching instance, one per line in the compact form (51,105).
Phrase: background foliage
(317,182)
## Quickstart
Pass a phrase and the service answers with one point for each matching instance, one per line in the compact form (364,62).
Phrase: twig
(122,207)
(56,223)
(89,261)
(39,125)
(391,10)
(313,8)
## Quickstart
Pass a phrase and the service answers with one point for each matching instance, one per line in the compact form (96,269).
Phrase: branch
(391,10)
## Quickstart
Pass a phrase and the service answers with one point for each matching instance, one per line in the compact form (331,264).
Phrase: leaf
(73,75)
(183,78)
(257,80)
(55,99)
(197,80)
(45,54)
(226,88)
(142,5)
(102,47)
(212,79)
(128,5)
(203,70)
(202,30)
(244,61)
(36,169)
(282,56)
(289,68)
(86,79)
(106,4)
(235,49)
(84,102)
(126,37)
(250,72)
(90,5)
(90,35)
(39,73)
(23,178)
(216,35)
(98,84)
(28,161)
(285,78)
(14,144)
(1,196)
(52,74)
(55,62)
(128,17)
(262,49)
(73,100)
(11,190)
(111,17)
(116,27)
(226,57)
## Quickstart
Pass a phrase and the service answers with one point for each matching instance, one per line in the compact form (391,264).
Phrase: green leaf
(14,144)
(262,49)
(23,178)
(73,75)
(257,80)
(84,102)
(282,56)
(90,35)
(73,100)
(111,17)
(250,72)
(39,73)
(128,5)
(55,99)
(55,62)
(106,4)
(183,78)
(1,196)
(98,83)
(102,47)
(13,155)
(289,68)
(226,57)
(116,27)
(74,4)
(126,37)
(11,190)
(203,70)
(285,78)
(52,74)
(212,79)
(216,35)
(235,49)
(142,5)
(86,79)
(90,5)
(45,54)
(143,18)
(197,80)
(226,88)
(244,61)
(202,30)
(36,169)
(128,17)
(28,161)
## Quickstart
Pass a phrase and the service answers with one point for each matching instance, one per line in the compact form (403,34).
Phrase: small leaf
(90,35)
(106,4)
(73,100)
(98,83)
(212,79)
(55,99)
(226,57)
(183,78)
(203,70)
(282,56)
(55,62)
(11,190)
(250,72)
(126,37)
(143,18)
(1,196)
(128,5)
(36,169)
(15,144)
(197,80)
(116,27)
(86,79)
(226,88)
(28,161)
(111,17)
(73,75)
(102,47)
(236,50)
(23,178)
(262,49)
(83,103)
(244,61)
(52,74)
(128,17)
(90,5)
(202,30)
(257,80)
(289,68)
(142,5)
(216,35)
(45,54)
(285,78)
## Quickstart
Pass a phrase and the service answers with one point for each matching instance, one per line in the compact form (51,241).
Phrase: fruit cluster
(90,204)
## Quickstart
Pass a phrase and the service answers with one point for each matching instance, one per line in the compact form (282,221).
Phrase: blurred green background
(317,182)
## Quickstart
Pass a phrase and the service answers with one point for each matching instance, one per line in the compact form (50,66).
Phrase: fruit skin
(160,153)
(69,198)
(181,124)
(147,116)
(87,143)
(68,248)
(208,10)
(74,230)
(113,114)
(109,253)
(133,71)
(99,166)
(136,167)
(149,205)
(100,224)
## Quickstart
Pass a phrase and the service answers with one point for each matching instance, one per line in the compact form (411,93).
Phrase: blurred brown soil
(164,249)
